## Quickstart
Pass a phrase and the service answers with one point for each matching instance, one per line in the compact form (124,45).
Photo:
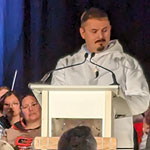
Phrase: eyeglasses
(13,104)
(33,105)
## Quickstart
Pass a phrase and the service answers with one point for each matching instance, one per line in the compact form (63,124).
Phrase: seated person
(145,143)
(78,138)
(10,107)
(142,126)
(3,90)
(22,132)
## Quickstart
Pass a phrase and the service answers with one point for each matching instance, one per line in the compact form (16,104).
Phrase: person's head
(146,121)
(95,29)
(31,109)
(78,138)
(11,104)
(3,90)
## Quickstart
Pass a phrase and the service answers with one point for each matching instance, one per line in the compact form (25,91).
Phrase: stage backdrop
(34,34)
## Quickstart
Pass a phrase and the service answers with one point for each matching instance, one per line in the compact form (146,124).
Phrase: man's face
(96,33)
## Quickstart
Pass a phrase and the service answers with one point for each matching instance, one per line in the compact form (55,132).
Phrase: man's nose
(100,35)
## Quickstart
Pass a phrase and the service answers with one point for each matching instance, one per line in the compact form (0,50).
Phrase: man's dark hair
(78,138)
(93,13)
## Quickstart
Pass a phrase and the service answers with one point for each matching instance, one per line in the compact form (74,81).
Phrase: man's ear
(82,32)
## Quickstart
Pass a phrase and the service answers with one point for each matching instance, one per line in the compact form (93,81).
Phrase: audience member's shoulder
(19,125)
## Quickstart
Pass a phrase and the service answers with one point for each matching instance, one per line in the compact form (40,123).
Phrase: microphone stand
(47,75)
(113,75)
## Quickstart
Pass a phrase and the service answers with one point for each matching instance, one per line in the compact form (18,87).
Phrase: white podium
(80,102)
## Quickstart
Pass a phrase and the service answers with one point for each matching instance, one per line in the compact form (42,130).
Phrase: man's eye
(104,30)
(94,31)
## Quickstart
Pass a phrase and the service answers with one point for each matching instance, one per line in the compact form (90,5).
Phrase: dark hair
(27,94)
(147,116)
(78,138)
(4,87)
(7,94)
(93,13)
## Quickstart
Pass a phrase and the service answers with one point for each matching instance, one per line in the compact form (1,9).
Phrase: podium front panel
(85,102)
(76,104)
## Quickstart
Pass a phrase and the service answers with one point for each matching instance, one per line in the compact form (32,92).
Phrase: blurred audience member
(145,143)
(3,90)
(22,133)
(5,146)
(10,108)
(148,142)
(78,138)
(142,126)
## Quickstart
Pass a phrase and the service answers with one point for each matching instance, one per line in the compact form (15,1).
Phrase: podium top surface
(47,87)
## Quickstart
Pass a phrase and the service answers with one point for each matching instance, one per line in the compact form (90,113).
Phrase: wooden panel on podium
(51,143)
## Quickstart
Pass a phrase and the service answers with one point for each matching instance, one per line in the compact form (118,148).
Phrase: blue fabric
(2,8)
(35,20)
(13,41)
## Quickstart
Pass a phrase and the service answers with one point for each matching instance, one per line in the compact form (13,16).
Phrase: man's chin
(99,49)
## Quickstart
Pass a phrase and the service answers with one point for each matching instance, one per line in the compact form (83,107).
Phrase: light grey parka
(128,73)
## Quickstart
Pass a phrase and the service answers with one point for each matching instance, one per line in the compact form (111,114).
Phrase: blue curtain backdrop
(35,34)
(2,8)
(11,39)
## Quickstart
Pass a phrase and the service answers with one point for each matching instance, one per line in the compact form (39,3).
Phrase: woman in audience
(3,90)
(145,143)
(142,126)
(10,107)
(29,127)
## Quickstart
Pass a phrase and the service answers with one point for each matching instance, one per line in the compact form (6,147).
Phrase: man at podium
(102,61)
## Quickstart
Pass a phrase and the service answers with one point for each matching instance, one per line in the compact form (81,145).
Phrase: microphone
(113,75)
(48,74)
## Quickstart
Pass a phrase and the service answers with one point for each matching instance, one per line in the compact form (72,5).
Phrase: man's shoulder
(130,61)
